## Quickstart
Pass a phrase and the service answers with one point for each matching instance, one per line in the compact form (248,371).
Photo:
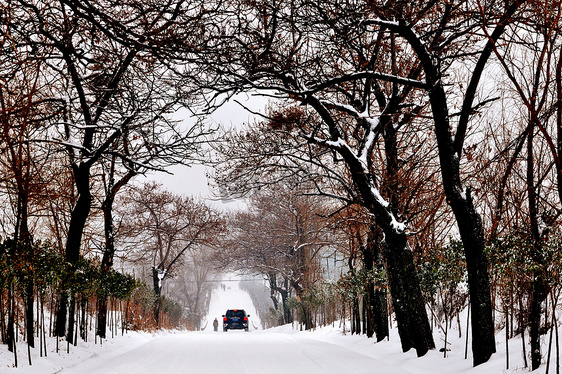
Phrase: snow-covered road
(234,352)
(255,352)
(283,349)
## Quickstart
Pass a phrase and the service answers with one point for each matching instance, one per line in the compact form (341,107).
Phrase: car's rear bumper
(236,327)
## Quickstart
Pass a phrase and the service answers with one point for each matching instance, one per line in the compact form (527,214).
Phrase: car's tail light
(225,319)
(245,318)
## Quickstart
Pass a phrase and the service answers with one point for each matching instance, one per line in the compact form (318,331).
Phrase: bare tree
(281,236)
(431,51)
(166,228)
(531,63)
(24,116)
(412,48)
(113,89)
(325,63)
(193,284)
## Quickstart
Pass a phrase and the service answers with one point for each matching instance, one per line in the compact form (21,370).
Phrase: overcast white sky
(193,180)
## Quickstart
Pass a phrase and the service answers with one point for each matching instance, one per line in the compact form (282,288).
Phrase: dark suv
(235,319)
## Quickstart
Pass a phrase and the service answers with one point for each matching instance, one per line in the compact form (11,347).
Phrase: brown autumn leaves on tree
(386,106)
(339,63)
(100,94)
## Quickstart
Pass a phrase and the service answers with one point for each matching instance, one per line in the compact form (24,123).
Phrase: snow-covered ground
(280,350)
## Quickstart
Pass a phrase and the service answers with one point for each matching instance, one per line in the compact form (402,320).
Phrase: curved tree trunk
(471,232)
(450,151)
(403,281)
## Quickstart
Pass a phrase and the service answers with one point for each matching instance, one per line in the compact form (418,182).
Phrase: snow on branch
(381,200)
(334,144)
(71,145)
(367,74)
(372,125)
(348,109)
(380,22)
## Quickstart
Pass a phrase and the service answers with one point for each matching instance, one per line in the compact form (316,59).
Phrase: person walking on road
(216,325)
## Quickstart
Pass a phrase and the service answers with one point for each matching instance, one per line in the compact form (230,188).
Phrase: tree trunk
(305,315)
(29,314)
(376,295)
(538,295)
(539,287)
(381,314)
(78,220)
(102,316)
(356,317)
(470,227)
(84,318)
(60,322)
(450,151)
(285,294)
(380,305)
(407,300)
(109,251)
(23,244)
(369,304)
(403,281)
(106,263)
(80,213)
(71,320)
(272,288)
(10,328)
(559,123)
(364,311)
(157,284)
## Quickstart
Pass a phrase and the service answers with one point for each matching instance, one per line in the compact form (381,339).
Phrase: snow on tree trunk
(403,281)
(158,276)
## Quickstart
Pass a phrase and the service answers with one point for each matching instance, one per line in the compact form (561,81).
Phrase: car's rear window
(235,313)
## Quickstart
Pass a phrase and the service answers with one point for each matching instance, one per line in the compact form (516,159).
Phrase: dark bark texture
(377,323)
(413,325)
